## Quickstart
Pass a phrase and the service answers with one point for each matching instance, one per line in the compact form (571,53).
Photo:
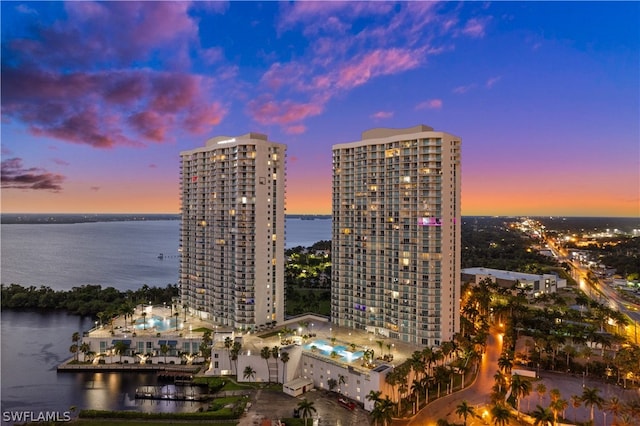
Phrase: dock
(168,370)
(171,393)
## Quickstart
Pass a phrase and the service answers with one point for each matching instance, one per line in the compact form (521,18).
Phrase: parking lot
(274,405)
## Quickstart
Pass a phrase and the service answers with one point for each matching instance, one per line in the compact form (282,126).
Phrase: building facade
(396,234)
(233,230)
(531,284)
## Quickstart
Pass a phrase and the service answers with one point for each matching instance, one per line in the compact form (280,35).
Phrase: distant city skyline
(98,99)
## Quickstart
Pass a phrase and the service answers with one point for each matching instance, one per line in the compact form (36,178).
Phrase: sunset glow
(98,99)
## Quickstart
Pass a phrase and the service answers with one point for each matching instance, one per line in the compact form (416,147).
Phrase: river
(119,254)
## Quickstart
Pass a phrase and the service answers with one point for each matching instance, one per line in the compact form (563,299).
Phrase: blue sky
(98,99)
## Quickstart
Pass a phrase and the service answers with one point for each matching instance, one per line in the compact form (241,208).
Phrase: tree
(332,383)
(576,402)
(306,408)
(591,398)
(284,358)
(228,343)
(465,410)
(520,388)
(275,353)
(249,373)
(265,353)
(85,348)
(558,406)
(500,414)
(74,350)
(205,345)
(614,406)
(144,320)
(176,319)
(541,389)
(164,349)
(373,396)
(120,348)
(542,416)
(382,411)
(75,338)
(235,352)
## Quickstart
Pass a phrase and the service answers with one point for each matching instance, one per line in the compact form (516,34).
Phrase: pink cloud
(279,75)
(315,15)
(463,89)
(296,129)
(109,108)
(138,32)
(94,188)
(266,110)
(475,27)
(430,104)
(14,175)
(375,63)
(381,115)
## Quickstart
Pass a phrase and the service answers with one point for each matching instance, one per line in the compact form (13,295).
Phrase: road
(477,394)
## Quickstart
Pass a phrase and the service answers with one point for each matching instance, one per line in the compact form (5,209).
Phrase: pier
(163,370)
(171,393)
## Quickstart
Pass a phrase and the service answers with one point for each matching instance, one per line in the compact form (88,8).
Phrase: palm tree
(85,348)
(465,410)
(176,316)
(74,350)
(228,343)
(541,389)
(373,396)
(144,320)
(120,347)
(284,357)
(591,398)
(417,387)
(543,416)
(75,338)
(382,411)
(520,388)
(500,414)
(614,406)
(164,349)
(265,353)
(557,406)
(306,409)
(576,402)
(235,352)
(275,353)
(249,373)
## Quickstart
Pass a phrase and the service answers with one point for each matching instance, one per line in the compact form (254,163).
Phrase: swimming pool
(326,349)
(157,322)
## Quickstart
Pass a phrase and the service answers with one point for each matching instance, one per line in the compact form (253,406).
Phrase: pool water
(157,322)
(325,348)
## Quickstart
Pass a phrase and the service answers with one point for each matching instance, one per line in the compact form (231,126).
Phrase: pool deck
(324,332)
(122,330)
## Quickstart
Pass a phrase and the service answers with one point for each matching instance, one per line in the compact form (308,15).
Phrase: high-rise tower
(233,230)
(396,234)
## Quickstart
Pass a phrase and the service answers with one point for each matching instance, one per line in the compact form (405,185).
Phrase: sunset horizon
(546,108)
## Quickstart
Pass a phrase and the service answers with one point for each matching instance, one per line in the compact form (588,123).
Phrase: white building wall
(232,230)
(396,234)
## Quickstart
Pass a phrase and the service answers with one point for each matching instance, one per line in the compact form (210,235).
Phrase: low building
(532,284)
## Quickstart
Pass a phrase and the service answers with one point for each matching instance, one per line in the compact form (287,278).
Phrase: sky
(99,98)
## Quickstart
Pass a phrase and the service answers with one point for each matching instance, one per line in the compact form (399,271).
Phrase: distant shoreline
(70,218)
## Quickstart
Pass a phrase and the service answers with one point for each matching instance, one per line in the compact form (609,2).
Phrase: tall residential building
(233,230)
(396,234)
